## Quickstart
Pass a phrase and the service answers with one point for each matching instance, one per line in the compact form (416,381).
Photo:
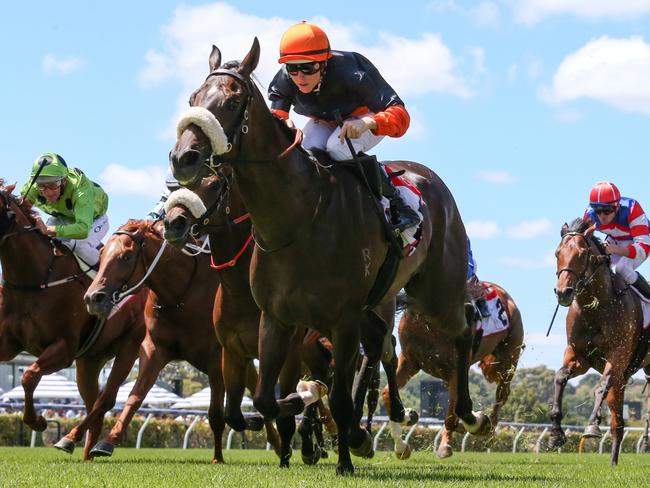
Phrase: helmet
(304,42)
(604,193)
(54,168)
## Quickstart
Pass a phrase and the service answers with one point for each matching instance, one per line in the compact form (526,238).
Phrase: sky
(520,106)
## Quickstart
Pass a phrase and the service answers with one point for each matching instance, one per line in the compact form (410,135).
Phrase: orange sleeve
(393,122)
(280,114)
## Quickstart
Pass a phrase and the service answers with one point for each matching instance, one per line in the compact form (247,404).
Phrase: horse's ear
(215,58)
(590,231)
(565,229)
(10,188)
(249,63)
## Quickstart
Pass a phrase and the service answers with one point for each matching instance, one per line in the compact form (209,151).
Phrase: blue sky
(519,106)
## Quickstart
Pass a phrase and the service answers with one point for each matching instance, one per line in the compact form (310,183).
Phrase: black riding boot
(481,305)
(404,216)
(642,285)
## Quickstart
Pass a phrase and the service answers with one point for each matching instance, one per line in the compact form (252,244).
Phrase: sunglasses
(605,210)
(49,186)
(304,68)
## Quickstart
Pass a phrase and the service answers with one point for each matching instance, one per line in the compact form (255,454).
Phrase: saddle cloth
(645,306)
(498,319)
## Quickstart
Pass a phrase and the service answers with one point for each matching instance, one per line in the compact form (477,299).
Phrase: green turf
(45,467)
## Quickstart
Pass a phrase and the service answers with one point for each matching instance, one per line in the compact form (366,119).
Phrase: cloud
(498,177)
(518,262)
(487,13)
(122,180)
(531,12)
(185,57)
(55,66)
(529,229)
(613,71)
(481,229)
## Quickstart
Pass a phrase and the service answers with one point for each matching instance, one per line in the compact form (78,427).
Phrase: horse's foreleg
(152,360)
(372,398)
(286,421)
(592,430)
(215,411)
(234,369)
(88,384)
(615,399)
(54,358)
(475,424)
(571,368)
(346,352)
(272,435)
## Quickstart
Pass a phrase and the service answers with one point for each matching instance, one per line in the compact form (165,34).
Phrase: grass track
(45,467)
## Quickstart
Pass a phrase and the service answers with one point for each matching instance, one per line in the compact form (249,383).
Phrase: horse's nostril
(99,297)
(189,158)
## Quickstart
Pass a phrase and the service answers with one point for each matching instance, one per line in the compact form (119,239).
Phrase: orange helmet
(604,193)
(304,42)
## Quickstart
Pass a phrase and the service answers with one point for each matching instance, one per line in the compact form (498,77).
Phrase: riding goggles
(304,68)
(49,186)
(604,209)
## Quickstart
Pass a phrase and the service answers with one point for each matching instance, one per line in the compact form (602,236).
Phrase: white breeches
(625,267)
(321,135)
(86,248)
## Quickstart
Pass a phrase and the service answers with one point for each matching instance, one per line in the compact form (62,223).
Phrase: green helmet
(54,168)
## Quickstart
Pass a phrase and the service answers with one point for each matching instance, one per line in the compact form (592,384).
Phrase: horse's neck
(225,245)
(171,275)
(26,258)
(599,292)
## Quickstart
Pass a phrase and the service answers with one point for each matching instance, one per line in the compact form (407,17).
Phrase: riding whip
(41,164)
(552,320)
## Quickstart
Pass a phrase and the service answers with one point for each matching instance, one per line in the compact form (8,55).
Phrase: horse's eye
(233,103)
(126,257)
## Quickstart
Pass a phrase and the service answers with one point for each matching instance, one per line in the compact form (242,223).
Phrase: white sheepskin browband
(188,199)
(209,125)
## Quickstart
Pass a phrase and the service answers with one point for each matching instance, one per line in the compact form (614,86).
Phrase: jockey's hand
(50,231)
(354,128)
(290,124)
(616,249)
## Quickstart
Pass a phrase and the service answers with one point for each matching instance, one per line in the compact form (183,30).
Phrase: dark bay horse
(320,244)
(236,315)
(178,317)
(603,329)
(42,312)
(427,349)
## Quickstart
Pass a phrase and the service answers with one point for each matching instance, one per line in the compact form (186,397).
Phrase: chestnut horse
(178,317)
(603,329)
(320,244)
(42,312)
(424,349)
(236,314)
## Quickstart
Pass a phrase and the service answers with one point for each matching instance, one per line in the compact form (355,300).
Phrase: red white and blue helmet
(604,193)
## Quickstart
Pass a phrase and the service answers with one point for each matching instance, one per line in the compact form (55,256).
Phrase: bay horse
(603,330)
(236,315)
(427,349)
(42,312)
(178,316)
(320,244)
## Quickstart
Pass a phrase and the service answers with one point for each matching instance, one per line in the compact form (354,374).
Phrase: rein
(233,262)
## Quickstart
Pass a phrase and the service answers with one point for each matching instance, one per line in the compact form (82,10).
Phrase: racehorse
(320,243)
(603,329)
(178,317)
(235,313)
(423,348)
(42,312)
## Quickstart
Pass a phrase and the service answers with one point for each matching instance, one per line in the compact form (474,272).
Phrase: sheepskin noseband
(188,199)
(209,125)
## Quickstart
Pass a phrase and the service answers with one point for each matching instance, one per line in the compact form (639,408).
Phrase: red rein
(233,261)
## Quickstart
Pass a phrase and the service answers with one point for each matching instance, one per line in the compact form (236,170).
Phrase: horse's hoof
(65,445)
(344,469)
(255,423)
(102,449)
(411,417)
(312,459)
(217,461)
(40,424)
(556,439)
(363,450)
(284,461)
(444,451)
(592,431)
(481,427)
(405,454)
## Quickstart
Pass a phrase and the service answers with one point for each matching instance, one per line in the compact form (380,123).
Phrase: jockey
(172,184)
(625,223)
(76,204)
(474,286)
(317,82)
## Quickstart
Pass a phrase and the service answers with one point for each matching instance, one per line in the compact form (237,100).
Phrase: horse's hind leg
(215,411)
(372,398)
(54,358)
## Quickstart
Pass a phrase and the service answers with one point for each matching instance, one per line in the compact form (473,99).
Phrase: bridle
(582,280)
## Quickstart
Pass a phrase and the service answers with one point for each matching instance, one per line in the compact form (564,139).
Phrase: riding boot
(642,285)
(403,215)
(481,305)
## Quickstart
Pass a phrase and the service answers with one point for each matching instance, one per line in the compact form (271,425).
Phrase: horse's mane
(22,203)
(144,226)
(580,226)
